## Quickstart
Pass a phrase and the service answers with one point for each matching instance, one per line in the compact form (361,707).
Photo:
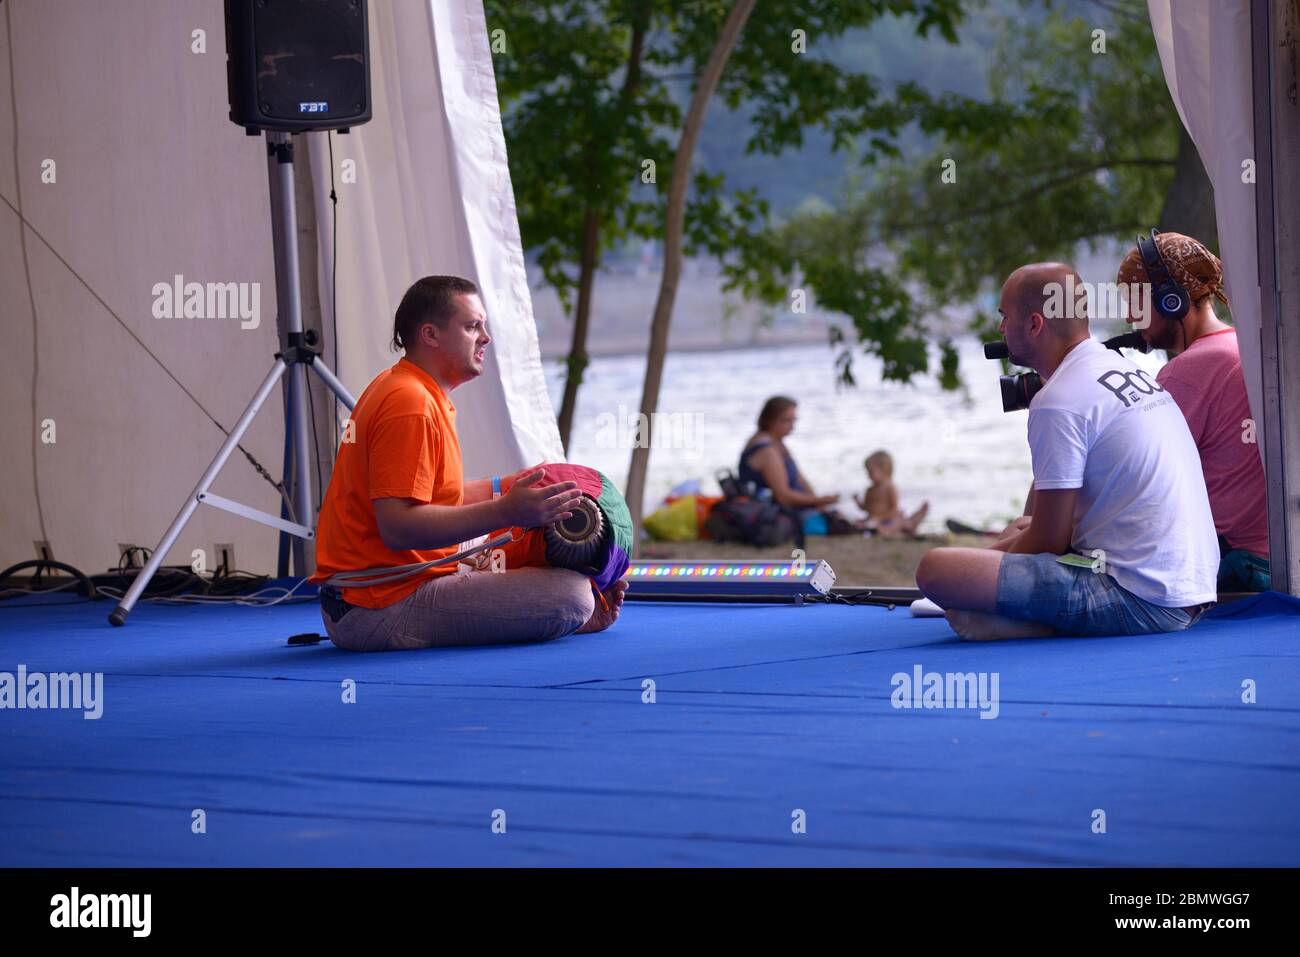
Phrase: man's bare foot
(982,626)
(603,616)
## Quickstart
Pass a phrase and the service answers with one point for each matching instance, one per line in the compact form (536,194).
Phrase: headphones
(1167,293)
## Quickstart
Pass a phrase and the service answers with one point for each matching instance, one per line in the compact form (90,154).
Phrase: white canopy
(128,173)
(1205,51)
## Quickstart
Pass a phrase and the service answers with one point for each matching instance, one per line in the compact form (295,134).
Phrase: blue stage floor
(760,712)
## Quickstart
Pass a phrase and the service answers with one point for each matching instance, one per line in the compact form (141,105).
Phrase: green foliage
(1066,147)
(577,137)
(1089,157)
(1074,147)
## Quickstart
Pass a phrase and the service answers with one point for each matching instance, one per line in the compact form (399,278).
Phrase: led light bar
(776,581)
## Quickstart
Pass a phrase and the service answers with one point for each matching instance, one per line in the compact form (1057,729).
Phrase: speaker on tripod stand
(297,65)
(293,66)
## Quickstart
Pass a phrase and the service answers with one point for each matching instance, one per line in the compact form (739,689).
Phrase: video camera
(1019,390)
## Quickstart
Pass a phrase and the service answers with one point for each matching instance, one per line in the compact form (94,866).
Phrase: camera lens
(1019,390)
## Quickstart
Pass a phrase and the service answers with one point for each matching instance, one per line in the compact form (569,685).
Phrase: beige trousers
(472,608)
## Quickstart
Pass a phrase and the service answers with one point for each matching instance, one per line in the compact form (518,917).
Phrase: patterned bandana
(1187,260)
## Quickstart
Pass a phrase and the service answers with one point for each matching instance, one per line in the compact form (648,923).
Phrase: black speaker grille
(310,59)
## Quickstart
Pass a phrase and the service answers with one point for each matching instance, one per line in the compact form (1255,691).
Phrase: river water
(957,450)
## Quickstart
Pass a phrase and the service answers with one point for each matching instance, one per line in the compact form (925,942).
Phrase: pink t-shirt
(1207,383)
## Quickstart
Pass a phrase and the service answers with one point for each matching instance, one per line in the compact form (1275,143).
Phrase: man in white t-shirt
(1121,540)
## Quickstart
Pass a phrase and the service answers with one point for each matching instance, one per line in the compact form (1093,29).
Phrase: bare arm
(1004,544)
(1017,525)
(1052,525)
(479,490)
(769,463)
(1010,534)
(406,523)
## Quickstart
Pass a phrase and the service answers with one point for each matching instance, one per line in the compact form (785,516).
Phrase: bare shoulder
(761,446)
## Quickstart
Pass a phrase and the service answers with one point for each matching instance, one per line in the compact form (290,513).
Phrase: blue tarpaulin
(770,735)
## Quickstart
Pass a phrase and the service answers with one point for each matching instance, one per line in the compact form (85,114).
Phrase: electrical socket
(122,549)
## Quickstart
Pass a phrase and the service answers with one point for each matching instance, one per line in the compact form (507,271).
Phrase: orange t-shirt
(404,445)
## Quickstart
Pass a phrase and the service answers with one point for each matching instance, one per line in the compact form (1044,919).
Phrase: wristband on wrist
(496,486)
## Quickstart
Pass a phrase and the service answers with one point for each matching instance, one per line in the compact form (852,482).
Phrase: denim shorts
(1080,601)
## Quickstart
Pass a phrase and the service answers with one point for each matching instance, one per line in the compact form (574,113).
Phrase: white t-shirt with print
(1102,425)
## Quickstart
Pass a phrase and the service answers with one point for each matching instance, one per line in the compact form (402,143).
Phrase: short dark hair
(431,299)
(773,409)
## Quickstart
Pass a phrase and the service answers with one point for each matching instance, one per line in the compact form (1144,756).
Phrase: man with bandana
(1204,377)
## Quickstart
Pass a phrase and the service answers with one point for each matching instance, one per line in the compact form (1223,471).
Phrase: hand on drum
(529,505)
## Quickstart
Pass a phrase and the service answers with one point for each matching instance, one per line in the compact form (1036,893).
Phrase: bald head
(1044,313)
(1054,290)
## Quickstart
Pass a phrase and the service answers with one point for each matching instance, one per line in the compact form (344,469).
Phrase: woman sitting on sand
(766,462)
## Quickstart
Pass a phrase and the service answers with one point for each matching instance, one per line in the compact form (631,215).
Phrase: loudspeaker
(297,65)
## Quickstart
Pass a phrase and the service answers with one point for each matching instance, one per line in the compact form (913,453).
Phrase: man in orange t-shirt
(398,497)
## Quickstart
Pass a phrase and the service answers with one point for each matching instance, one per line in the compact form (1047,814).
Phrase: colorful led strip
(777,580)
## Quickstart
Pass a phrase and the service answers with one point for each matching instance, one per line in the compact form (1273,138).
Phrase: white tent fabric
(151,181)
(1205,51)
(433,195)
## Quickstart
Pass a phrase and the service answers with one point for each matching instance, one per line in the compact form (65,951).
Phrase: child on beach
(880,501)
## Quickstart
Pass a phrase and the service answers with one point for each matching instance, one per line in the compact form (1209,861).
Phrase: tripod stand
(296,359)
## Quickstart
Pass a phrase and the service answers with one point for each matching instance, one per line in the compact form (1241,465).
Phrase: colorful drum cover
(529,546)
